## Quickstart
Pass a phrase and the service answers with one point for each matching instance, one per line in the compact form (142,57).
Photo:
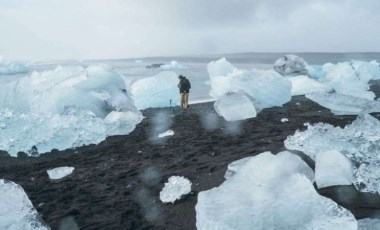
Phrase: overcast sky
(60,29)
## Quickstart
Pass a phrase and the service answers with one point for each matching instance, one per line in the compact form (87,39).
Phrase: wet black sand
(116,184)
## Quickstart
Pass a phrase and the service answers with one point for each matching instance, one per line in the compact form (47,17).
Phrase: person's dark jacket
(184,85)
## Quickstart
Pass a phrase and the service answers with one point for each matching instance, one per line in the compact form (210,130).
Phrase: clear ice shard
(234,107)
(333,168)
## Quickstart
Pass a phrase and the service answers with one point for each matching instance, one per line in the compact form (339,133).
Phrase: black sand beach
(116,184)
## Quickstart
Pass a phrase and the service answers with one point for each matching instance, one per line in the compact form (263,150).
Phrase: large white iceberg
(16,210)
(12,68)
(359,141)
(333,168)
(290,64)
(265,88)
(270,192)
(234,107)
(64,108)
(158,91)
(175,188)
(341,104)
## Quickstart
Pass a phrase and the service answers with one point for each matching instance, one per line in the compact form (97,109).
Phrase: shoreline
(116,184)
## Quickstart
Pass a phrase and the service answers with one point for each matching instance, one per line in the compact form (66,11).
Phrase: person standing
(184,90)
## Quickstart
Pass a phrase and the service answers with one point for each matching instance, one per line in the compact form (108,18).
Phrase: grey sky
(59,29)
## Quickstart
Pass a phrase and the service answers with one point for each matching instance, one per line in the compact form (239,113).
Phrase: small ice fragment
(283,120)
(166,133)
(60,172)
(332,168)
(175,188)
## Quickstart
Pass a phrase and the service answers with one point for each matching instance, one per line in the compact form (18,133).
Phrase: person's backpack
(187,84)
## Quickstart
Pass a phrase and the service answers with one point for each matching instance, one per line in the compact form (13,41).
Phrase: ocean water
(196,66)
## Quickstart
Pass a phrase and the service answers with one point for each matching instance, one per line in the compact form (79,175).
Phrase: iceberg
(156,92)
(270,192)
(25,132)
(358,141)
(347,88)
(16,210)
(341,104)
(345,79)
(64,108)
(265,88)
(12,68)
(291,65)
(333,168)
(234,107)
(59,172)
(302,85)
(176,187)
(173,65)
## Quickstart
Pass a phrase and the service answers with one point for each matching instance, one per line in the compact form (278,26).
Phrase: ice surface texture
(265,88)
(12,68)
(156,91)
(64,108)
(60,172)
(16,210)
(234,107)
(291,65)
(175,188)
(359,141)
(270,192)
(303,85)
(333,168)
